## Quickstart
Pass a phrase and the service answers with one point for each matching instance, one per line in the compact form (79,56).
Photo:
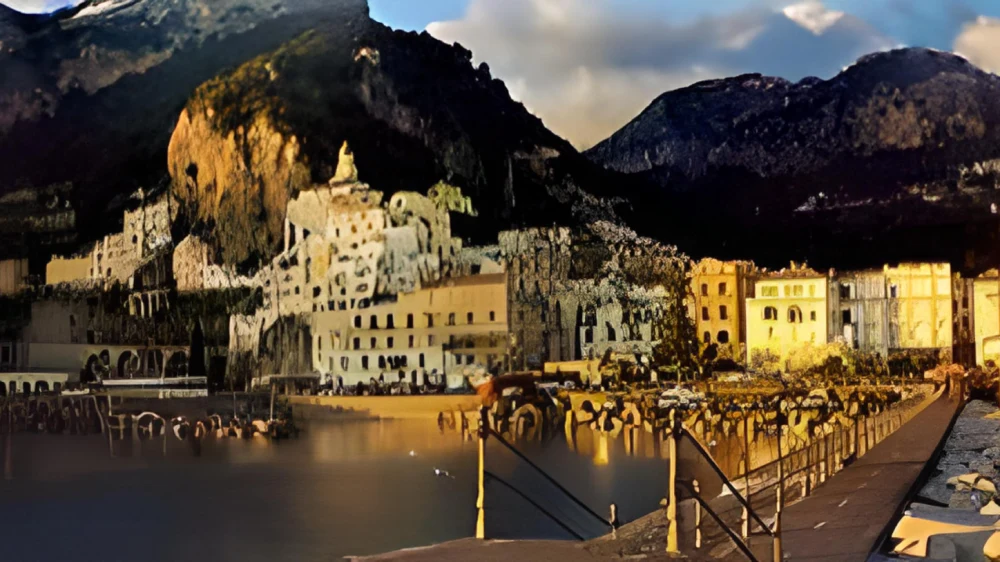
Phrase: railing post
(779,502)
(672,546)
(481,500)
(808,470)
(697,516)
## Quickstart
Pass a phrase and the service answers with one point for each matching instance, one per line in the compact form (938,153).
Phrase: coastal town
(369,293)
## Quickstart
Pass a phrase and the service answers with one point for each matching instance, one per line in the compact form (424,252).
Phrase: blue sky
(586,67)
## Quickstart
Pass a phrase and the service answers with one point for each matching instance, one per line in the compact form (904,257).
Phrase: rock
(961,500)
(962,457)
(984,467)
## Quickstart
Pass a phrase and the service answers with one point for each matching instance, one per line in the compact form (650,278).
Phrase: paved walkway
(843,518)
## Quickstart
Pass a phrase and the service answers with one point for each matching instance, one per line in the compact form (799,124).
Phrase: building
(963,320)
(720,290)
(986,317)
(456,328)
(61,270)
(13,276)
(920,298)
(859,310)
(788,312)
(576,294)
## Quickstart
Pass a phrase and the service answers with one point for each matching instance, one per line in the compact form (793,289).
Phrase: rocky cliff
(892,159)
(90,95)
(414,111)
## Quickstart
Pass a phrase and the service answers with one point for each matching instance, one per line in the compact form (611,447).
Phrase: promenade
(843,518)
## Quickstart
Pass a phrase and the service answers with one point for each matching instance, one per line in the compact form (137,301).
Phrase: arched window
(723,337)
(612,336)
(770,313)
(794,315)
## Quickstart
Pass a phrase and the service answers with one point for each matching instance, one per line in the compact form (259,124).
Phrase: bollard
(779,502)
(672,546)
(481,500)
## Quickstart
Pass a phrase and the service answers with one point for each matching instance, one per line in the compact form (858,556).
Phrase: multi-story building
(920,299)
(986,317)
(963,320)
(859,310)
(455,328)
(787,313)
(720,290)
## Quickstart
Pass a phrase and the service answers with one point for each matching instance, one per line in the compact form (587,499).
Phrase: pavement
(845,517)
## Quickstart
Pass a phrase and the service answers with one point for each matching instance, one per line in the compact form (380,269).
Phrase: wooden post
(672,545)
(481,500)
(808,471)
(697,516)
(273,390)
(779,504)
(746,472)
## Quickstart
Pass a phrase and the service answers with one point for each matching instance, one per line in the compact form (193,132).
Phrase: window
(723,337)
(493,316)
(965,302)
(812,315)
(421,360)
(364,362)
(845,316)
(374,342)
(788,290)
(411,342)
(430,341)
(317,292)
(812,290)
(723,312)
(319,343)
(795,315)
(845,291)
(612,335)
(388,342)
(458,359)
(704,313)
(722,289)
(588,335)
(357,321)
(770,313)
(797,290)
(893,290)
(451,318)
(374,322)
(357,343)
(965,322)
(430,320)
(706,337)
(704,289)
(470,318)
(409,320)
(470,359)
(381,362)
(771,291)
(389,322)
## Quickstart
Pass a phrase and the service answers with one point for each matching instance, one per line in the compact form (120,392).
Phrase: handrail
(545,475)
(725,479)
(722,524)
(535,504)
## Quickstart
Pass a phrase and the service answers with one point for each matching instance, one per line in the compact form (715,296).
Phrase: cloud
(979,42)
(38,6)
(587,67)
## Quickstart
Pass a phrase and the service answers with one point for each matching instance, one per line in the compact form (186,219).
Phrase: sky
(587,67)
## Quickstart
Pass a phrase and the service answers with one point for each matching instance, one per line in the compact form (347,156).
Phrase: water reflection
(339,489)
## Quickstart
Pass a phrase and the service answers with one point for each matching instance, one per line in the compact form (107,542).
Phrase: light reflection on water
(340,488)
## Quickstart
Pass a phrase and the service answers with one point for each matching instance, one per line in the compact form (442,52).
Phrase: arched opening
(42,386)
(612,335)
(723,337)
(770,313)
(177,365)
(794,315)
(26,387)
(128,365)
(3,389)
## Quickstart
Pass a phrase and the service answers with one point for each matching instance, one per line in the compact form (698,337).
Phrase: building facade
(719,292)
(963,320)
(920,298)
(986,317)
(788,312)
(859,310)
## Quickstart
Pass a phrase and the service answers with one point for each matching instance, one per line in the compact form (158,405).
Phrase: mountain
(90,95)
(236,106)
(895,158)
(414,111)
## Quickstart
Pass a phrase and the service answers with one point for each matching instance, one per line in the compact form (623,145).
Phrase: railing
(794,474)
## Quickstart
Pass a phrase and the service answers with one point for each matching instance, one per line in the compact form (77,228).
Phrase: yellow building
(922,293)
(68,270)
(788,312)
(986,317)
(720,290)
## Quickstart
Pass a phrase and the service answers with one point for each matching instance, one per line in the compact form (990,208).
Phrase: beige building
(787,313)
(13,275)
(68,270)
(986,317)
(922,293)
(457,327)
(720,290)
